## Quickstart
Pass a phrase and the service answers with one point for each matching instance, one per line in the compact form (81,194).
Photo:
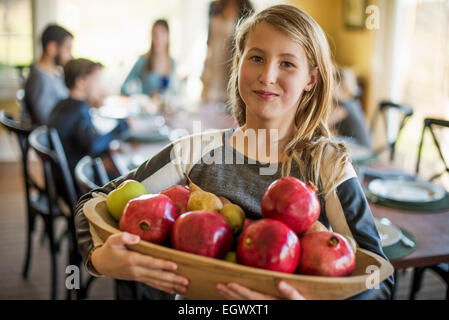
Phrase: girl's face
(159,37)
(273,74)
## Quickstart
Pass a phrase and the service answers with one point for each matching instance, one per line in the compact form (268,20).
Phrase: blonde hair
(312,146)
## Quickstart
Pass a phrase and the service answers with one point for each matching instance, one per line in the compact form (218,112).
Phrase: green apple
(119,197)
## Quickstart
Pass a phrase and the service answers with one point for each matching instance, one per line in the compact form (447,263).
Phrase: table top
(430,229)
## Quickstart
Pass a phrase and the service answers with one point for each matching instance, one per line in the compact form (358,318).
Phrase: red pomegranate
(269,244)
(293,202)
(150,216)
(202,232)
(179,195)
(326,254)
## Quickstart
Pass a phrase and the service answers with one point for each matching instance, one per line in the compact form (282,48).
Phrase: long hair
(245,7)
(312,146)
(150,54)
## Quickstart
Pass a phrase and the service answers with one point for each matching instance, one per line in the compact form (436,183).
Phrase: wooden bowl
(204,273)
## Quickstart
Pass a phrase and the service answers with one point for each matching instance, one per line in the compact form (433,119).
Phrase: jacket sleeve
(159,166)
(90,139)
(348,212)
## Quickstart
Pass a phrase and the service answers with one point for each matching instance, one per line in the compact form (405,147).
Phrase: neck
(271,138)
(47,64)
(77,94)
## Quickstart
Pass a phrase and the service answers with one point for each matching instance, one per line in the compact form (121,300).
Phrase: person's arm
(348,212)
(133,76)
(89,139)
(36,99)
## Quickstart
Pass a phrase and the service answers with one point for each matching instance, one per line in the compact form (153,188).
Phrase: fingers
(228,293)
(119,240)
(165,286)
(154,263)
(289,292)
(159,275)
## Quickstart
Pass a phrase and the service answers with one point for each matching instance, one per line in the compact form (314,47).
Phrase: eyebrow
(291,55)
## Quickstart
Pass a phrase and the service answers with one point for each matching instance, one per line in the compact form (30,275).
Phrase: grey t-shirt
(214,165)
(42,92)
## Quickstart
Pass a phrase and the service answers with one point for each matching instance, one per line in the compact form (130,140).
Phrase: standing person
(223,16)
(71,116)
(348,119)
(281,83)
(44,86)
(154,72)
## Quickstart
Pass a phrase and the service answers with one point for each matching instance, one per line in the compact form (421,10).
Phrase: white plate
(407,191)
(389,234)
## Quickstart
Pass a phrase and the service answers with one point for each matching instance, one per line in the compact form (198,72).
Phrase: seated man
(71,116)
(45,84)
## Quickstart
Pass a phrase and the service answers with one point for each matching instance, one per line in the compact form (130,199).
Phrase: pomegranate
(202,232)
(326,254)
(293,202)
(269,244)
(150,216)
(179,195)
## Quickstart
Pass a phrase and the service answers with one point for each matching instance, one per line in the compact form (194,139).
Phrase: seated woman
(71,116)
(154,72)
(348,120)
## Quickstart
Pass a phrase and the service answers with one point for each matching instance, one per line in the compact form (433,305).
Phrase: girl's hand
(114,260)
(237,292)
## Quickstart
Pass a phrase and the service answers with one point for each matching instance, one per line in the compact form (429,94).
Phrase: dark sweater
(78,135)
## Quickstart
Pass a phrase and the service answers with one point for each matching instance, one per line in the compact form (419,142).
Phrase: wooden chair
(441,269)
(90,174)
(36,200)
(405,113)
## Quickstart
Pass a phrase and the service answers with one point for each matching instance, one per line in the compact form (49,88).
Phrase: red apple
(326,254)
(202,232)
(293,202)
(179,195)
(150,216)
(269,244)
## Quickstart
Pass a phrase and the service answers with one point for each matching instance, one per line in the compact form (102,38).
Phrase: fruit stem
(144,225)
(248,241)
(333,241)
(312,186)
(188,179)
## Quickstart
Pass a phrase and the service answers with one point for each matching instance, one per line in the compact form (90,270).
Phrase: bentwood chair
(430,124)
(393,124)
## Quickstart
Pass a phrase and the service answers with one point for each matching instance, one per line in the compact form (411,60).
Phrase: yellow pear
(202,200)
(235,216)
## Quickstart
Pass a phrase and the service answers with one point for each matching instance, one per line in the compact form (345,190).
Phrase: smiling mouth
(265,94)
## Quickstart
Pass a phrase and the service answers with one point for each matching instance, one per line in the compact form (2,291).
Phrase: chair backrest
(430,124)
(47,145)
(90,174)
(395,117)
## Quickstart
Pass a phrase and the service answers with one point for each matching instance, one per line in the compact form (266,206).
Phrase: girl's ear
(314,74)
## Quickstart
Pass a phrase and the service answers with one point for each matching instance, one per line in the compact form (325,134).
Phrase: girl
(281,83)
(154,72)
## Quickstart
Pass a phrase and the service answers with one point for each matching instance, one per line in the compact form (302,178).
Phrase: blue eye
(256,59)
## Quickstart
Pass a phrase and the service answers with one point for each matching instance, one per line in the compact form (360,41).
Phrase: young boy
(71,116)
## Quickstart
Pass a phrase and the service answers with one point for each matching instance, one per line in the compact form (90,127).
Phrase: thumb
(119,240)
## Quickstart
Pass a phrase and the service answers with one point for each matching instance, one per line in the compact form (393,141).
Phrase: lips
(265,94)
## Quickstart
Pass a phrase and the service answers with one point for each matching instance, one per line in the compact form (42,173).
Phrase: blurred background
(398,51)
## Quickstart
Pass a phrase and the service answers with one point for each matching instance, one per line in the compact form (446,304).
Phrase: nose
(268,73)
